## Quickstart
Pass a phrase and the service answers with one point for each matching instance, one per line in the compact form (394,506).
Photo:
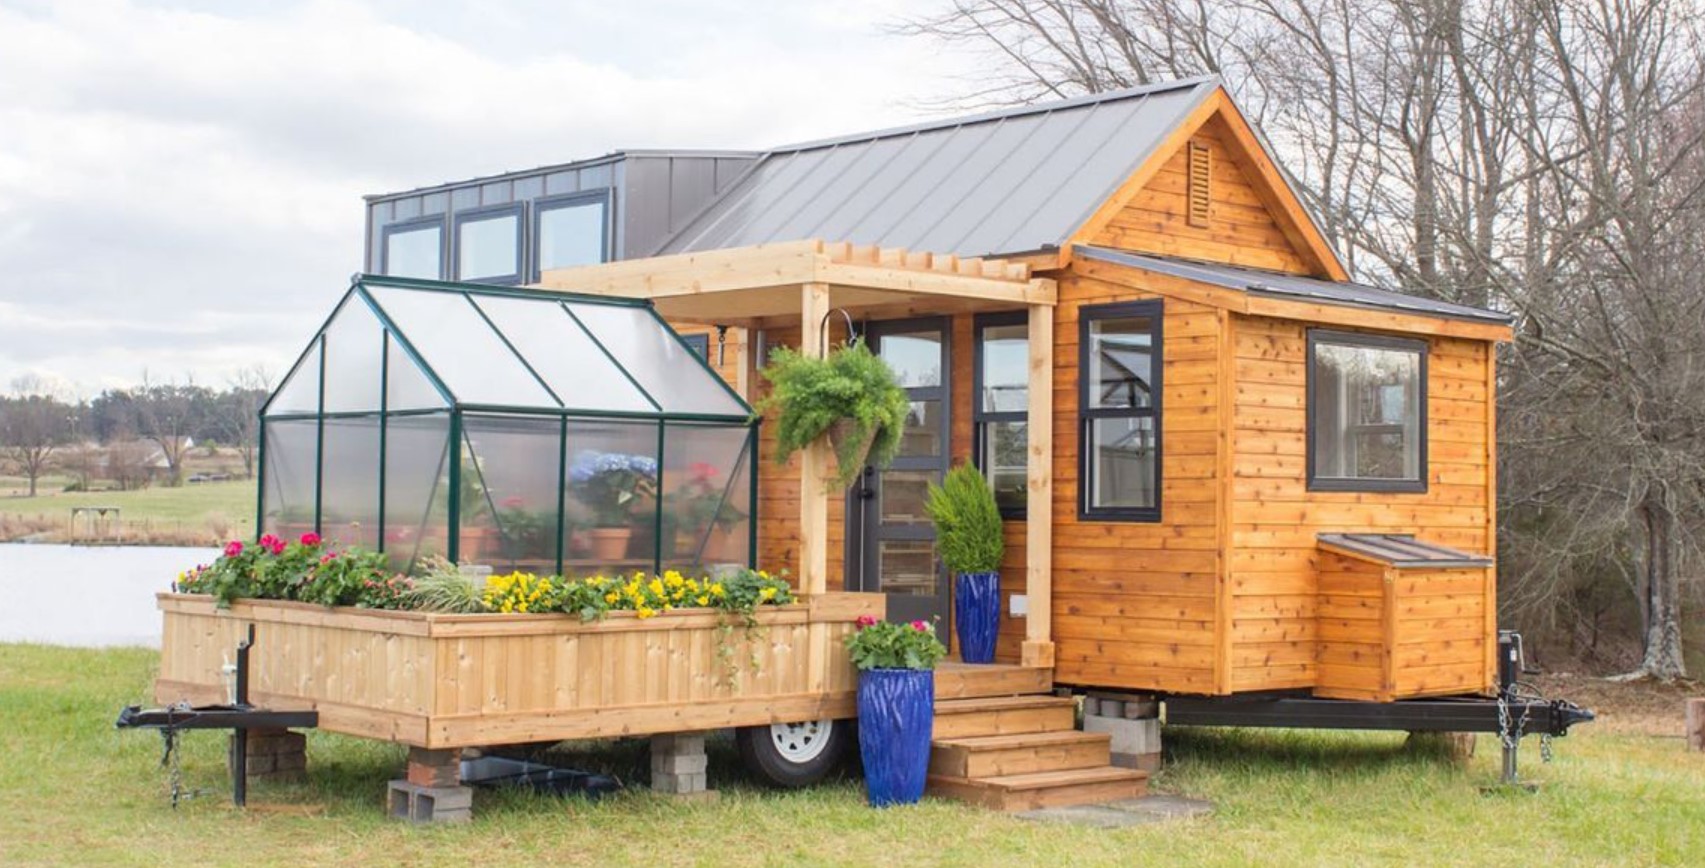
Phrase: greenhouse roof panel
(405,343)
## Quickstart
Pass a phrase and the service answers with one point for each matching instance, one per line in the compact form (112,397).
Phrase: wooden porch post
(1038,648)
(813,469)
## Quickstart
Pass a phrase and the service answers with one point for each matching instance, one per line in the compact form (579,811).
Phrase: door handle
(865,490)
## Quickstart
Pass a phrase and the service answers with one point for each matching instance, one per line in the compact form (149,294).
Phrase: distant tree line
(1539,156)
(128,438)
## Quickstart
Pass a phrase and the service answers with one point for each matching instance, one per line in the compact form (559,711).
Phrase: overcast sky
(181,182)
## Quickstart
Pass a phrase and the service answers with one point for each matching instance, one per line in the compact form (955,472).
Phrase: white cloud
(180,182)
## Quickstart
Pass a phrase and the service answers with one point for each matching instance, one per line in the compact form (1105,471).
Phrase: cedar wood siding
(1134,602)
(1275,569)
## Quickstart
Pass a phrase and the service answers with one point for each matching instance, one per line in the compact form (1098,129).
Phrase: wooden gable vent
(1201,177)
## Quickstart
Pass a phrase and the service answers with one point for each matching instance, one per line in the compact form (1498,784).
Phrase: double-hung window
(1367,412)
(1119,406)
(571,230)
(1001,387)
(488,245)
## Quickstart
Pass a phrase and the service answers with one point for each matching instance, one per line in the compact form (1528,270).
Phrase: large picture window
(571,230)
(1001,402)
(1119,406)
(488,246)
(1367,412)
(413,249)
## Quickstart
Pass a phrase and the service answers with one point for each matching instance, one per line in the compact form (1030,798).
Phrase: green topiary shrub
(967,521)
(852,392)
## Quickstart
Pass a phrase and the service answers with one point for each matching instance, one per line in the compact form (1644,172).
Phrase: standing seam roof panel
(996,183)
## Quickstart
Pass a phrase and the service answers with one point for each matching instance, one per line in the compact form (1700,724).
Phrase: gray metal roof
(998,183)
(1403,550)
(1289,286)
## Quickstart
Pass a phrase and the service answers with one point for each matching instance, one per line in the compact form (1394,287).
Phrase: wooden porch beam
(814,459)
(1038,648)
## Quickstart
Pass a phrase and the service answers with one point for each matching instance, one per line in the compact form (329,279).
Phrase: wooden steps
(1022,752)
(998,755)
(1044,789)
(954,680)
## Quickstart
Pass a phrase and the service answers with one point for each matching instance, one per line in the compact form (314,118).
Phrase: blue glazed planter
(896,711)
(977,615)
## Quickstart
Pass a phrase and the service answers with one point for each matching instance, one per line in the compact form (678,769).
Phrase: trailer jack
(239,716)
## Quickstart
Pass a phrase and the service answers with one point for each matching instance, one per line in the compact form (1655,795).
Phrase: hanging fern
(853,386)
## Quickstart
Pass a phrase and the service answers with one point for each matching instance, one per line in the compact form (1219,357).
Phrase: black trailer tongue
(239,717)
(1518,710)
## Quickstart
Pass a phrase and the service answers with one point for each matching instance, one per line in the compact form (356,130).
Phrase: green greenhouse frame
(419,418)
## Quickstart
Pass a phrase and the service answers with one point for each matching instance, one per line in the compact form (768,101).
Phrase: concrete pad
(1123,813)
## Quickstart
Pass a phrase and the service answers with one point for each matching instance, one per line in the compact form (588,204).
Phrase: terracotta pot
(610,543)
(721,546)
(479,544)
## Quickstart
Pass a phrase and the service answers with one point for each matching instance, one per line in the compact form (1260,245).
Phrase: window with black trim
(1000,388)
(1367,412)
(1119,406)
(413,249)
(699,343)
(571,230)
(488,245)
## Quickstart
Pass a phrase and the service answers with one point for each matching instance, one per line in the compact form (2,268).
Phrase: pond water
(87,595)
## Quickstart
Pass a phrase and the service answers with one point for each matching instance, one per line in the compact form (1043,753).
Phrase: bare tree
(33,426)
(167,415)
(237,413)
(1539,155)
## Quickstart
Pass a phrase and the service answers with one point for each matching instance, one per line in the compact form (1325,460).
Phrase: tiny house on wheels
(1232,479)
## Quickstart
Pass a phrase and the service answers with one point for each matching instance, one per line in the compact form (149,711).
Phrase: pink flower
(919,625)
(328,557)
(866,621)
(310,539)
(233,548)
(272,544)
(514,502)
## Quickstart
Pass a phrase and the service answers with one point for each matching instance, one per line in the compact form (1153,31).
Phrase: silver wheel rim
(801,742)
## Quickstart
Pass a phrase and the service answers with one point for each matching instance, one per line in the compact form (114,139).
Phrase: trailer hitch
(239,716)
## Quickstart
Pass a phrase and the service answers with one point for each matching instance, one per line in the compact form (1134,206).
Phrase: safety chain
(171,758)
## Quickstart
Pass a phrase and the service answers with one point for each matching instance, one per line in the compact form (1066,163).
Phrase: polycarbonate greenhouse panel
(516,459)
(354,346)
(406,386)
(460,347)
(290,465)
(349,482)
(671,374)
(581,373)
(417,482)
(300,391)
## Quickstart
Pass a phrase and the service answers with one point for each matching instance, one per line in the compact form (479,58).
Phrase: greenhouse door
(890,543)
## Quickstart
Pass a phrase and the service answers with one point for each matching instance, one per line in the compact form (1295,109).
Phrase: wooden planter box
(445,681)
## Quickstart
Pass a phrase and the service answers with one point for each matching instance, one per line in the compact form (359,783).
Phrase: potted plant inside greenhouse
(968,540)
(851,397)
(614,486)
(896,706)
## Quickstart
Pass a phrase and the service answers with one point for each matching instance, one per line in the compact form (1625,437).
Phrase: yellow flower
(767,594)
(644,612)
(611,597)
(704,601)
(716,588)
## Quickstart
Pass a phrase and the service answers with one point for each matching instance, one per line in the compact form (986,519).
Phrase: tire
(793,755)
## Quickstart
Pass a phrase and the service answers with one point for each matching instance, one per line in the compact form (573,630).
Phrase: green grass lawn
(74,790)
(186,511)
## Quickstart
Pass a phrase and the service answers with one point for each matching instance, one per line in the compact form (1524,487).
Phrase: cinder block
(1129,736)
(419,804)
(678,764)
(1141,709)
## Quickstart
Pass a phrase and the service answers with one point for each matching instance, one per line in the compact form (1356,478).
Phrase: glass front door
(891,545)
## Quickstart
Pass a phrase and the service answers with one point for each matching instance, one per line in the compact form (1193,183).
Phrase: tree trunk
(1661,603)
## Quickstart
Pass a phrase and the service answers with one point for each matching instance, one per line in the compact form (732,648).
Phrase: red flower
(233,548)
(310,539)
(328,557)
(515,502)
(919,625)
(272,544)
(866,621)
(702,471)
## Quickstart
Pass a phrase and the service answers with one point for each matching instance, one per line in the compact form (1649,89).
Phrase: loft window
(1119,406)
(488,245)
(1001,396)
(699,343)
(1367,412)
(413,249)
(571,230)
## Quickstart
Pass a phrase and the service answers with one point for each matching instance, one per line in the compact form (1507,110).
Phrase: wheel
(793,754)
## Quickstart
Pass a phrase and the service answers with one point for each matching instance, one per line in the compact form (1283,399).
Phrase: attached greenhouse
(520,429)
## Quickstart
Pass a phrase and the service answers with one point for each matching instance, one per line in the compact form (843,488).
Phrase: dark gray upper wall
(653,194)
